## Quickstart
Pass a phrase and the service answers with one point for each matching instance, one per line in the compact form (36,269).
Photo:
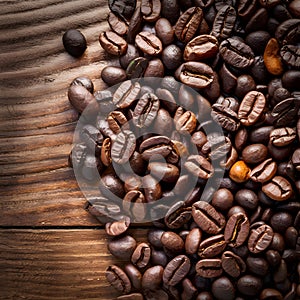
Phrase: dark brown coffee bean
(222,199)
(185,122)
(152,188)
(277,242)
(193,240)
(209,268)
(171,57)
(236,53)
(273,257)
(251,108)
(74,42)
(268,294)
(291,236)
(123,8)
(278,189)
(156,145)
(199,166)
(280,273)
(257,265)
(188,23)
(118,279)
(212,246)
(135,25)
(204,295)
(130,54)
(196,74)
(134,275)
(163,171)
(113,75)
(237,229)
(291,55)
(164,31)
(280,221)
(176,270)
(154,237)
(146,110)
(286,32)
(148,43)
(172,242)
(201,47)
(189,290)
(150,10)
(260,238)
(122,247)
(170,10)
(117,24)
(112,43)
(246,198)
(228,79)
(258,21)
(232,264)
(244,84)
(137,67)
(258,40)
(264,171)
(178,215)
(141,255)
(133,296)
(126,94)
(152,278)
(155,68)
(283,136)
(85,82)
(117,227)
(163,123)
(207,218)
(249,285)
(260,134)
(222,288)
(224,22)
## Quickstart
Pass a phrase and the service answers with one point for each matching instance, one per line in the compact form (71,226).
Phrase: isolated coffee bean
(222,199)
(117,24)
(118,279)
(155,68)
(164,31)
(74,42)
(232,264)
(207,218)
(209,268)
(141,255)
(149,43)
(176,270)
(112,43)
(260,238)
(264,171)
(186,122)
(150,10)
(278,189)
(171,57)
(188,24)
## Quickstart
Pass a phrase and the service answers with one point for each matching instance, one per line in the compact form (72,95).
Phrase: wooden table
(50,247)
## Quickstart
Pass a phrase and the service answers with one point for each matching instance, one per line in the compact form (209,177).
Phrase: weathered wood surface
(55,264)
(37,187)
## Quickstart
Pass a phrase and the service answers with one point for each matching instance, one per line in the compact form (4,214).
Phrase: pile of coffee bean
(205,91)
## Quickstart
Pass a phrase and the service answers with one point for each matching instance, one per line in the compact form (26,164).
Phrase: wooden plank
(56,264)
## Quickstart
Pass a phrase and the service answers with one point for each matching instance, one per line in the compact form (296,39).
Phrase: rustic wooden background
(50,247)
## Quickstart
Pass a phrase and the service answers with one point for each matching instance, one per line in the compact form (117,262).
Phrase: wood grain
(63,264)
(37,121)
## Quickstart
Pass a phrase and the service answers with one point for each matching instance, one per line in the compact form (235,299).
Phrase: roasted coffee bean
(246,198)
(212,246)
(237,229)
(201,47)
(117,227)
(85,82)
(236,53)
(232,264)
(104,100)
(280,274)
(154,237)
(283,136)
(268,294)
(288,31)
(172,242)
(123,147)
(135,25)
(291,55)
(113,75)
(152,278)
(112,43)
(204,295)
(209,268)
(130,54)
(257,265)
(171,57)
(222,288)
(296,159)
(152,188)
(199,166)
(273,257)
(158,257)
(228,79)
(155,68)
(133,296)
(278,189)
(264,171)
(281,221)
(249,285)
(239,172)
(207,218)
(260,134)
(164,31)
(123,8)
(251,108)
(122,247)
(222,199)
(150,10)
(137,67)
(224,22)
(118,279)
(149,43)
(189,290)
(188,24)
(117,121)
(116,24)
(170,10)
(272,58)
(134,275)
(133,205)
(74,42)
(193,240)
(196,74)
(260,238)
(141,255)
(185,122)
(164,122)
(244,84)
(178,215)
(163,171)
(146,110)
(176,270)
(258,40)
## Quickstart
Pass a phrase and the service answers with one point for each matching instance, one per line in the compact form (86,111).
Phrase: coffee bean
(112,43)
(133,296)
(189,290)
(257,265)
(170,10)
(122,247)
(177,215)
(74,42)
(172,57)
(117,121)
(246,198)
(152,188)
(232,264)
(291,236)
(148,43)
(137,67)
(135,25)
(172,242)
(164,31)
(118,227)
(272,57)
(281,137)
(222,199)
(222,288)
(196,74)
(118,279)
(133,205)
(118,25)
(251,108)
(158,257)
(244,84)
(281,221)
(239,172)
(185,122)
(207,218)
(188,23)
(260,238)
(278,189)
(286,32)
(249,285)
(141,255)
(145,110)
(134,275)
(236,53)
(176,270)
(269,293)
(209,268)
(155,68)
(123,8)
(152,278)
(113,75)
(150,9)
(130,54)
(212,246)
(199,166)
(264,171)
(291,55)
(193,240)
(85,82)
